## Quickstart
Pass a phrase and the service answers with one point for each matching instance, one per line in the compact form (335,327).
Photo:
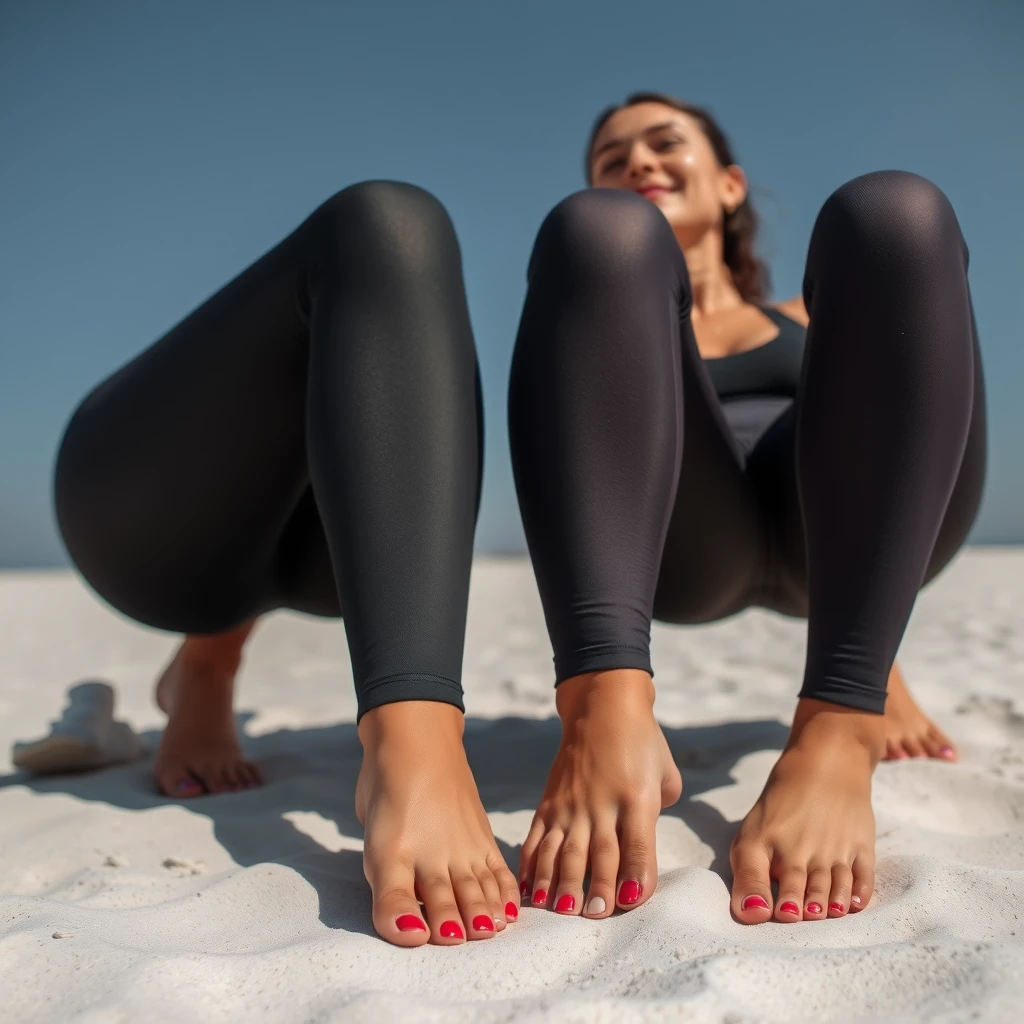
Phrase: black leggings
(637,500)
(311,437)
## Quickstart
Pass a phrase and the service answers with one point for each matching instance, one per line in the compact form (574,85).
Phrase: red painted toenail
(565,904)
(524,890)
(630,891)
(789,908)
(410,923)
(813,908)
(482,923)
(540,897)
(835,908)
(511,911)
(451,930)
(755,903)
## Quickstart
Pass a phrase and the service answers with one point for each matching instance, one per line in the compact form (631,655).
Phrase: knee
(598,229)
(387,220)
(889,214)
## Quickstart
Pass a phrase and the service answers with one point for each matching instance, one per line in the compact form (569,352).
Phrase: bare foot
(908,731)
(199,750)
(427,835)
(611,778)
(812,829)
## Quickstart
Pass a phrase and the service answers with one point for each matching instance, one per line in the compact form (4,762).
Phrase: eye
(612,164)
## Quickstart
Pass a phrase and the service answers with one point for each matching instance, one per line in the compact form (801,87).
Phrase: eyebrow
(647,131)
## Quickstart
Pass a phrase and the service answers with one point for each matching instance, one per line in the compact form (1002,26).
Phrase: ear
(732,187)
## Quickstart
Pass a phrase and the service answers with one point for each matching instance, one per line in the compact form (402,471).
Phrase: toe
(839,896)
(253,776)
(819,885)
(638,860)
(492,895)
(508,892)
(913,746)
(528,860)
(938,745)
(863,882)
(178,783)
(544,867)
(751,885)
(396,913)
(792,890)
(572,866)
(604,869)
(472,905)
(441,907)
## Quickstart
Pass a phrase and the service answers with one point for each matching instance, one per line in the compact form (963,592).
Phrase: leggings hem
(849,695)
(409,686)
(602,657)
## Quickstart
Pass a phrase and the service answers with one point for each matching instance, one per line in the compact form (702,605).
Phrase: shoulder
(795,309)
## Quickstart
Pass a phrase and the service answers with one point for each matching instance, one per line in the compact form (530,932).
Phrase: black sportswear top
(757,386)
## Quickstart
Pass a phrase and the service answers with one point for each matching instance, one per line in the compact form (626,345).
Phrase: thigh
(177,476)
(716,550)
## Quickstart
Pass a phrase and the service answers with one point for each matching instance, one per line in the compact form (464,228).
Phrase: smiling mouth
(652,191)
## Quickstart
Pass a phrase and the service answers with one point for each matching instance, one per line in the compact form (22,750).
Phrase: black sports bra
(770,369)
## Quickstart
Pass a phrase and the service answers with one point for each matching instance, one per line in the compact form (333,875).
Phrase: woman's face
(662,154)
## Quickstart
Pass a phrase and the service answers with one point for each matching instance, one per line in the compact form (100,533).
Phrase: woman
(311,438)
(681,451)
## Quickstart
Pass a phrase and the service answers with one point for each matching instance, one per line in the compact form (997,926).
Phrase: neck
(710,278)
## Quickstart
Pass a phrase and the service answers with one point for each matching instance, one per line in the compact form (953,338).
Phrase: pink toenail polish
(836,908)
(524,890)
(482,923)
(789,908)
(565,904)
(855,899)
(540,897)
(946,751)
(813,908)
(630,891)
(511,911)
(409,923)
(755,903)
(451,930)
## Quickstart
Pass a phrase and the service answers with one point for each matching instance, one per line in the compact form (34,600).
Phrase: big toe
(638,858)
(397,916)
(176,781)
(751,885)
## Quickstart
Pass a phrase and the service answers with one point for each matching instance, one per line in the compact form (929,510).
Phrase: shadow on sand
(315,770)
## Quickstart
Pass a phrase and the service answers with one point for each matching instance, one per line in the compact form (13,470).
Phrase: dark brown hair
(749,274)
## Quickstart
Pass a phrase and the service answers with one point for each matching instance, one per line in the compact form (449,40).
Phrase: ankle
(407,722)
(620,691)
(818,723)
(218,651)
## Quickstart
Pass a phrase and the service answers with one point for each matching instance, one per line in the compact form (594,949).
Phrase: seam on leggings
(419,677)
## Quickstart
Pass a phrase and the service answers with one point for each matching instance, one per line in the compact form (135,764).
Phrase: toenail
(813,908)
(755,903)
(409,923)
(789,908)
(451,930)
(855,899)
(187,787)
(630,891)
(947,751)
(540,897)
(596,906)
(482,923)
(511,911)
(836,908)
(524,890)
(565,904)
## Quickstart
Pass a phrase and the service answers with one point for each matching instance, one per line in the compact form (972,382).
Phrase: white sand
(118,905)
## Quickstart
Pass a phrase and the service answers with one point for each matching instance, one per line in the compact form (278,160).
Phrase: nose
(640,161)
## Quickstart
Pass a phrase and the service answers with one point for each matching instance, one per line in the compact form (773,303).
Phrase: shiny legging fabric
(637,500)
(310,437)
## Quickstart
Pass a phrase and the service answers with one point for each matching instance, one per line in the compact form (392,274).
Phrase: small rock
(183,866)
(63,935)
(114,861)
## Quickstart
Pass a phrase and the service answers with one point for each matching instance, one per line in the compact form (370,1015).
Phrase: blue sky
(151,151)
